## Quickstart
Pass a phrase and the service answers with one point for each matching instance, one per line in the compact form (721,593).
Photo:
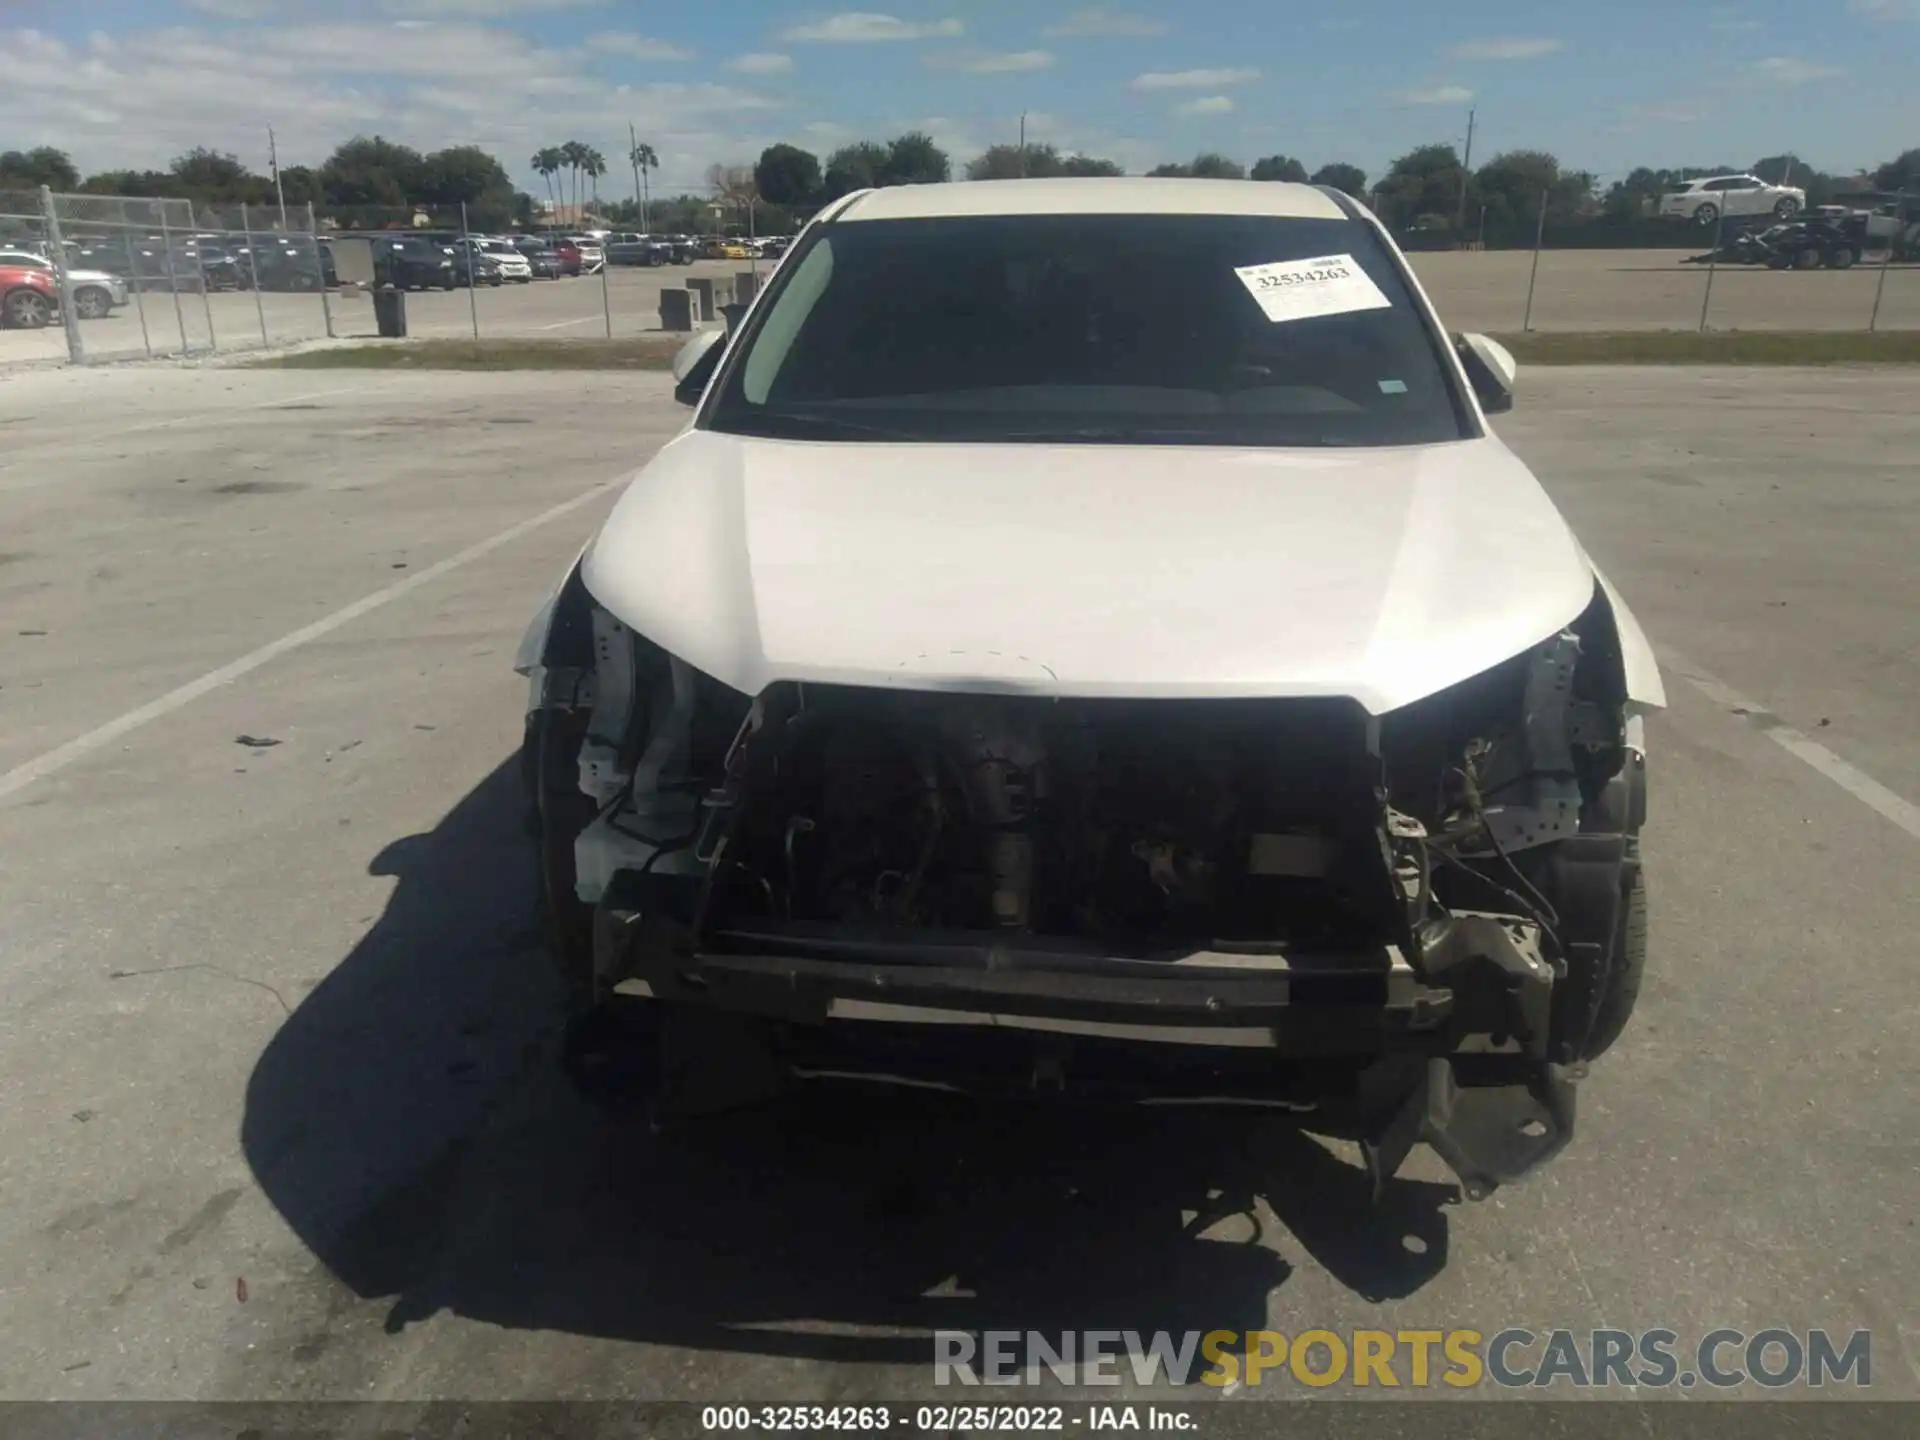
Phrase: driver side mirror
(694,365)
(1490,370)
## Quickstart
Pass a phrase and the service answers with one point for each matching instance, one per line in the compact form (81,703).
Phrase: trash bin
(390,312)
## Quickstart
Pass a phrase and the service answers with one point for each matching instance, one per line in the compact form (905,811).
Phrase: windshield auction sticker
(1306,289)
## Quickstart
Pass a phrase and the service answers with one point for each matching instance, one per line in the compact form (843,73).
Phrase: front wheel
(90,302)
(26,309)
(1842,259)
(560,811)
(1807,259)
(1787,208)
(1706,214)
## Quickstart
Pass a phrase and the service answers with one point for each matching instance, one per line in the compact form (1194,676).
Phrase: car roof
(1095,196)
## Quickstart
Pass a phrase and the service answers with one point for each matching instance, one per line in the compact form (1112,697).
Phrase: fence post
(1886,259)
(320,269)
(173,281)
(253,264)
(606,301)
(133,282)
(1713,264)
(473,273)
(63,283)
(1533,276)
(206,290)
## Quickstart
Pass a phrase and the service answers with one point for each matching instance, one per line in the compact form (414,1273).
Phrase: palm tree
(571,155)
(547,162)
(645,162)
(594,165)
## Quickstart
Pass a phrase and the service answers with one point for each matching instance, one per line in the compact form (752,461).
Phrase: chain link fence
(1741,273)
(162,276)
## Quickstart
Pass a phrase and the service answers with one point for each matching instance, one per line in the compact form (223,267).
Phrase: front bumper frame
(1453,1055)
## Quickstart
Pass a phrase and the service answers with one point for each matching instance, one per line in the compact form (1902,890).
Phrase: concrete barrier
(679,309)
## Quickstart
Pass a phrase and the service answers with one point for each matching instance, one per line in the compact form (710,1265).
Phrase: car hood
(1121,570)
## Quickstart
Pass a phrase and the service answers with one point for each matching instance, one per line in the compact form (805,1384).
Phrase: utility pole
(1023,144)
(1466,169)
(273,159)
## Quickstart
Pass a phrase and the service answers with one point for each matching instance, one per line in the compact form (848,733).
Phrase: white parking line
(563,324)
(1797,743)
(60,757)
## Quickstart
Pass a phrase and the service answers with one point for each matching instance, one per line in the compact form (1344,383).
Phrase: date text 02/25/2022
(942,1419)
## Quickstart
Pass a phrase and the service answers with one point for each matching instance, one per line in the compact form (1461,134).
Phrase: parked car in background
(593,256)
(290,262)
(569,253)
(513,265)
(27,300)
(412,262)
(542,259)
(637,250)
(96,293)
(1705,200)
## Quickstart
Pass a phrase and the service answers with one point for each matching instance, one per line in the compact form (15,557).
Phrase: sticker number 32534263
(1303,289)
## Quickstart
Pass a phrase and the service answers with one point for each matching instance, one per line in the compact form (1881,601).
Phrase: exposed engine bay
(1362,890)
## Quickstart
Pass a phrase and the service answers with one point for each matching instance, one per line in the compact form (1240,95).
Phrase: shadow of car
(410,1123)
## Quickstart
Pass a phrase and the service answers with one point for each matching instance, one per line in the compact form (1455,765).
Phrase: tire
(1598,889)
(1842,259)
(1778,260)
(1807,259)
(302,283)
(26,309)
(1627,971)
(1706,214)
(560,812)
(1787,207)
(90,302)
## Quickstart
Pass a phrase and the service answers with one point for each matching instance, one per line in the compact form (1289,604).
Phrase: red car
(27,299)
(568,252)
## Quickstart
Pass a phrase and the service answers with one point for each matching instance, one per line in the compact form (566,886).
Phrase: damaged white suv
(1088,640)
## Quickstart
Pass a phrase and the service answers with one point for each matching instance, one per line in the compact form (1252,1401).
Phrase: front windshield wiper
(772,423)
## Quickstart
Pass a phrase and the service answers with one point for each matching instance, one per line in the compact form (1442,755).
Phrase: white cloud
(1194,79)
(637,47)
(1782,70)
(761,63)
(858,27)
(983,62)
(1102,24)
(1206,105)
(1886,9)
(1509,48)
(141,97)
(1437,95)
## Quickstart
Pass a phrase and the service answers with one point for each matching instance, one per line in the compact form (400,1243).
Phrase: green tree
(1508,189)
(371,171)
(1279,167)
(1350,179)
(42,165)
(1006,162)
(1901,173)
(1088,167)
(211,175)
(1212,165)
(645,160)
(1423,182)
(853,167)
(787,175)
(546,163)
(913,159)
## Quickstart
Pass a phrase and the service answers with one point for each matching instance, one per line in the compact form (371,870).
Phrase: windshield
(1237,330)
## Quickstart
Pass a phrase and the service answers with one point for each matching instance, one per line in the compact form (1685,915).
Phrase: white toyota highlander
(1089,641)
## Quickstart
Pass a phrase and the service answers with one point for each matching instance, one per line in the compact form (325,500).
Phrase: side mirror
(695,364)
(1490,369)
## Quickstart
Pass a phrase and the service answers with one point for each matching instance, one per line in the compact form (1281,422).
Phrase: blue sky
(131,82)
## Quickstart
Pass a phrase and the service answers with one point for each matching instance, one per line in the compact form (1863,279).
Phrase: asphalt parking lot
(276,1037)
(1575,290)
